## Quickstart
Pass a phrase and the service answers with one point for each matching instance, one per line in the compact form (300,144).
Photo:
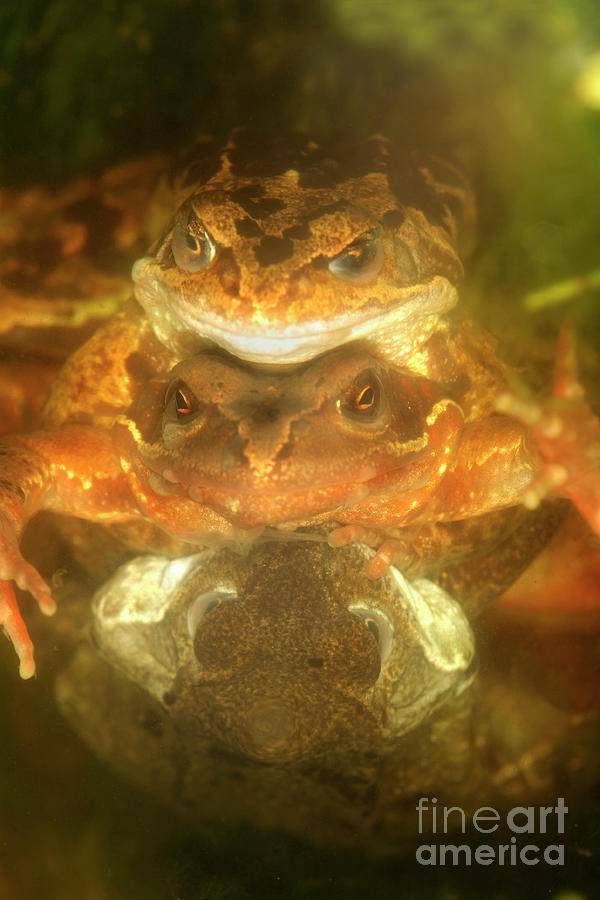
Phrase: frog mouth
(249,507)
(186,323)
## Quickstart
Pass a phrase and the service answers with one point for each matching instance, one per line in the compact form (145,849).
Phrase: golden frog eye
(364,401)
(181,404)
(191,245)
(361,261)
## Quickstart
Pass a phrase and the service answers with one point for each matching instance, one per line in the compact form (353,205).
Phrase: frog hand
(566,432)
(14,568)
(389,550)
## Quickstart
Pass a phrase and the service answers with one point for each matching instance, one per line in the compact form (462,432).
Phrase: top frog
(278,259)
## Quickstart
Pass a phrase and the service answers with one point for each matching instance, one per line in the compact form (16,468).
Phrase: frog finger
(350,534)
(16,630)
(29,579)
(385,557)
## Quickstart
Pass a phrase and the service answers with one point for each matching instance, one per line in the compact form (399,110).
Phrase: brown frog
(312,247)
(282,688)
(78,469)
(370,447)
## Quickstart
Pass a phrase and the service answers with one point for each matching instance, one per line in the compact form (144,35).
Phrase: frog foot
(389,551)
(566,432)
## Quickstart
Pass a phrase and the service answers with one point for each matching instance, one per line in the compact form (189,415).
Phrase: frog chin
(250,509)
(184,324)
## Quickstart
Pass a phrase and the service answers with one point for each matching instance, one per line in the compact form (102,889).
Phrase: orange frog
(218,447)
(349,440)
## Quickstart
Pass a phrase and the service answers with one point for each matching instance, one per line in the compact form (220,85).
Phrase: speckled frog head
(285,652)
(280,255)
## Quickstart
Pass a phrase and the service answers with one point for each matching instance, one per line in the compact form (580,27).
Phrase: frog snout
(270,726)
(265,427)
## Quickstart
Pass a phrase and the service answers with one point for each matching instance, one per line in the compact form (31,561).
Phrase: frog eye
(365,399)
(181,404)
(203,605)
(361,261)
(191,245)
(380,627)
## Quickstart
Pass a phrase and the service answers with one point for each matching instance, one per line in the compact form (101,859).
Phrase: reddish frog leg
(567,432)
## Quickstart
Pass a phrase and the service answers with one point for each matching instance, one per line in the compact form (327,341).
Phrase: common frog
(216,447)
(283,689)
(277,259)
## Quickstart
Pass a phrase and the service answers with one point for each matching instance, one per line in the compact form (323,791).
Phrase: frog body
(282,688)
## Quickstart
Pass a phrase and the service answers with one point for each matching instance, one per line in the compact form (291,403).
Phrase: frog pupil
(363,399)
(213,604)
(361,261)
(192,242)
(360,254)
(191,246)
(182,404)
(366,398)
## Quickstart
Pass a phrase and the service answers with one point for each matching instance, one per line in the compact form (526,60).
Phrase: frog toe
(565,431)
(16,630)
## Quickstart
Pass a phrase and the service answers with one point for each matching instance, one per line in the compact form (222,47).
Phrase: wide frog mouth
(251,498)
(186,321)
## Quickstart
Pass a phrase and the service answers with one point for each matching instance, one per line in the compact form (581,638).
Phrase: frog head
(344,432)
(285,651)
(280,254)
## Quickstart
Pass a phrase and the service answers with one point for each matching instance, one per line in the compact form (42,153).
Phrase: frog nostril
(315,662)
(230,282)
(229,274)
(233,453)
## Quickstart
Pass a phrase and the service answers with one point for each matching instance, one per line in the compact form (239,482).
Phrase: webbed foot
(566,432)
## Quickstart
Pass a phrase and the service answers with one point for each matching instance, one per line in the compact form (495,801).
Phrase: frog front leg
(72,470)
(566,432)
(157,495)
(491,469)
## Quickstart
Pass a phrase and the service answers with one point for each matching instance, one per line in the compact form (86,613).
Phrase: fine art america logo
(521,821)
